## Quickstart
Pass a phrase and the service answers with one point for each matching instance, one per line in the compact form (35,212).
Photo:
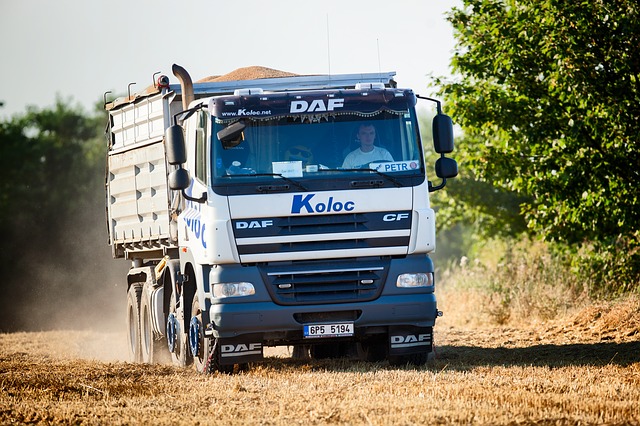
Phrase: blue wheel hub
(172,332)
(194,336)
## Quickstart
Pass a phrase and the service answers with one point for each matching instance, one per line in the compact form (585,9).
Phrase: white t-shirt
(357,158)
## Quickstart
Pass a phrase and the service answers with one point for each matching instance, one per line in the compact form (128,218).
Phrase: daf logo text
(254,224)
(317,105)
(241,349)
(410,340)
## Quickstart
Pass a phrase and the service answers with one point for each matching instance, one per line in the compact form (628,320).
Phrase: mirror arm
(202,199)
(436,188)
(438,103)
(183,115)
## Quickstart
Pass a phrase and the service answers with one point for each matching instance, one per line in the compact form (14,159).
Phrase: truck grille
(311,283)
(327,236)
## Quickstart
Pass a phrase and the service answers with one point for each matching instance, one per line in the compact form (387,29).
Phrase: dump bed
(138,198)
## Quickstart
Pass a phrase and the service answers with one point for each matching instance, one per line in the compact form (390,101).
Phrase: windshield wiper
(268,188)
(372,183)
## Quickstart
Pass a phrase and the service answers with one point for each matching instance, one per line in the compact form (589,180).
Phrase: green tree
(47,164)
(548,96)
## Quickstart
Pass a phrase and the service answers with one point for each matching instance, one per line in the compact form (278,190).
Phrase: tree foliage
(51,210)
(548,95)
(48,161)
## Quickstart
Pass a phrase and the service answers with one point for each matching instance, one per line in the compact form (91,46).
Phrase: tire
(204,344)
(206,358)
(180,357)
(133,322)
(154,345)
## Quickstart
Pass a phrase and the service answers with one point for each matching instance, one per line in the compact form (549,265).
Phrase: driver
(367,152)
(299,153)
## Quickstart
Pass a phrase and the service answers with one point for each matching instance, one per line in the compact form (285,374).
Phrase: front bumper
(274,321)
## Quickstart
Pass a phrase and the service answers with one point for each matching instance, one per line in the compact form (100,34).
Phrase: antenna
(378,44)
(328,46)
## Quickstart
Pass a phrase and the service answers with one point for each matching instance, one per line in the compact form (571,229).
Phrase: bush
(510,281)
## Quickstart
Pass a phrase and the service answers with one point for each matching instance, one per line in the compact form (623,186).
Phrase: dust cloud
(70,283)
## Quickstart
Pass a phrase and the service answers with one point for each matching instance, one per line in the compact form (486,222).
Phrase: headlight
(233,290)
(415,280)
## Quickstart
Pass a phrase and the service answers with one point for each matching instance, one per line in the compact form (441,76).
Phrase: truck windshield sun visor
(232,135)
(300,103)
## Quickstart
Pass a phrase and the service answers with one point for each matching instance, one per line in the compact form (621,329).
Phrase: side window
(201,147)
(408,137)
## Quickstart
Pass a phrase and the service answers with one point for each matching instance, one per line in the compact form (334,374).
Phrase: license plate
(342,329)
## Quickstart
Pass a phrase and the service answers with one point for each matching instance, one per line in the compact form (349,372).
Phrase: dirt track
(583,369)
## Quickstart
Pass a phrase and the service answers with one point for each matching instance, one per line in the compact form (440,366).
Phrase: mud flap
(239,351)
(410,340)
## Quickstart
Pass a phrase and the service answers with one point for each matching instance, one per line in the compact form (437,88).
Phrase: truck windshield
(301,147)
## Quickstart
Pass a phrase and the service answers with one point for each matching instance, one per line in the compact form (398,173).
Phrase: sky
(79,49)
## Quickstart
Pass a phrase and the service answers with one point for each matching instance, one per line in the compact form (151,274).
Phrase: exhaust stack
(185,83)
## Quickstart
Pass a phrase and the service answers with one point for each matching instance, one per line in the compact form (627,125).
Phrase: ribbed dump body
(138,199)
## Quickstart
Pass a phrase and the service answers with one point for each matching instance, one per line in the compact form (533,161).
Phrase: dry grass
(511,282)
(582,369)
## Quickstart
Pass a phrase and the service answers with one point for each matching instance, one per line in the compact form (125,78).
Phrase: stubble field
(581,369)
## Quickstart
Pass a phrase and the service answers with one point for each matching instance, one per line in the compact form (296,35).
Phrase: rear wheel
(133,322)
(176,337)
(153,344)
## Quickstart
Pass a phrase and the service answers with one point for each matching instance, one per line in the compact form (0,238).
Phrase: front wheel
(205,350)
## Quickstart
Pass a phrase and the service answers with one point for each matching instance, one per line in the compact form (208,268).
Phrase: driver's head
(367,136)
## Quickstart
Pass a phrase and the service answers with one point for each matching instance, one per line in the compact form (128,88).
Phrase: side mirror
(442,134)
(179,179)
(232,135)
(174,145)
(446,168)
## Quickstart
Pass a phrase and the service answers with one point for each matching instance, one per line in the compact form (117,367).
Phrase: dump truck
(274,209)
